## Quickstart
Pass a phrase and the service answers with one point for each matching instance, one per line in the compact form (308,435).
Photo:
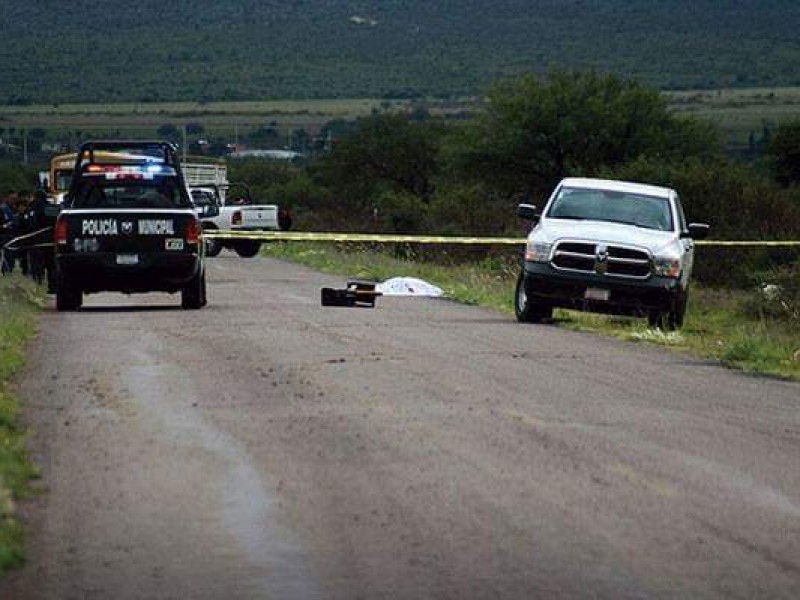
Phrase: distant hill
(148,50)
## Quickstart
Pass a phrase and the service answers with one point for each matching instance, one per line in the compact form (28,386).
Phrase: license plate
(596,294)
(127,259)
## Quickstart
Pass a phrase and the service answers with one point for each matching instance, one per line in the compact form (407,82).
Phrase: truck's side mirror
(528,212)
(697,231)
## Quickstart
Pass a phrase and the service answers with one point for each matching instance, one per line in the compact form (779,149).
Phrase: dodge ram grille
(602,259)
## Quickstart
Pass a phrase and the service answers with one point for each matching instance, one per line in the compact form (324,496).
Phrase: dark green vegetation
(19,300)
(254,49)
(16,178)
(783,154)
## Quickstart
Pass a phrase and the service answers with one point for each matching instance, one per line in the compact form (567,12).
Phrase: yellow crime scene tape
(312,236)
(746,243)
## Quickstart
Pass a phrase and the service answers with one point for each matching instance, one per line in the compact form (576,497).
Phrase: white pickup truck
(607,246)
(236,211)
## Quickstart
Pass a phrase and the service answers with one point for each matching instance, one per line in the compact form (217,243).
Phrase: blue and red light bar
(147,171)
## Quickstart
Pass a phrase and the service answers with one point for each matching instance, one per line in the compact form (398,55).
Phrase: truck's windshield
(650,212)
(100,193)
(203,198)
(62,180)
(60,177)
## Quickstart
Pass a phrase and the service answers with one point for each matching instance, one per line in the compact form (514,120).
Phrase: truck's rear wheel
(193,295)
(247,248)
(526,310)
(213,247)
(68,296)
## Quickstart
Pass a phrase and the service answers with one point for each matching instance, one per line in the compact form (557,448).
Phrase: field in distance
(138,119)
(737,112)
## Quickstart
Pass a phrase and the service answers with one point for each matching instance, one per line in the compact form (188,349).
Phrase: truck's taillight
(193,232)
(236,218)
(61,232)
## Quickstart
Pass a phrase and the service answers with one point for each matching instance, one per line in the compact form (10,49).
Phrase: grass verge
(716,326)
(19,302)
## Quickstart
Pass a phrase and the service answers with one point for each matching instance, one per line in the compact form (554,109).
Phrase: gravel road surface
(266,447)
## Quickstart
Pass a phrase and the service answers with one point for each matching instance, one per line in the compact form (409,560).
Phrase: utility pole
(184,142)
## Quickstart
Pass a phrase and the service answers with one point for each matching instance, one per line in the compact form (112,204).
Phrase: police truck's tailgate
(127,232)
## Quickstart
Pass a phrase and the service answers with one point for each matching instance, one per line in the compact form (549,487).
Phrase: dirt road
(266,447)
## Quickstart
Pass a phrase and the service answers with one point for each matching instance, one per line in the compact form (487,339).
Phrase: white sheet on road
(408,286)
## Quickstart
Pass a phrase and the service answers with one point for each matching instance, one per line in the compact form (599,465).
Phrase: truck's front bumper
(624,295)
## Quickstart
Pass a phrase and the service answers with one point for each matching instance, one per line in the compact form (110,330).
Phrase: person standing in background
(21,209)
(34,224)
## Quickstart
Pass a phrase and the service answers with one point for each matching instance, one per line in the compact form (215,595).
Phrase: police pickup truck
(128,225)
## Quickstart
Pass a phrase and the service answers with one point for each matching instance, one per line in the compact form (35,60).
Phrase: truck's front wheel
(672,318)
(526,310)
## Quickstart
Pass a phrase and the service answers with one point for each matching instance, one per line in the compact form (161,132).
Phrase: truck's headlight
(538,251)
(666,267)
